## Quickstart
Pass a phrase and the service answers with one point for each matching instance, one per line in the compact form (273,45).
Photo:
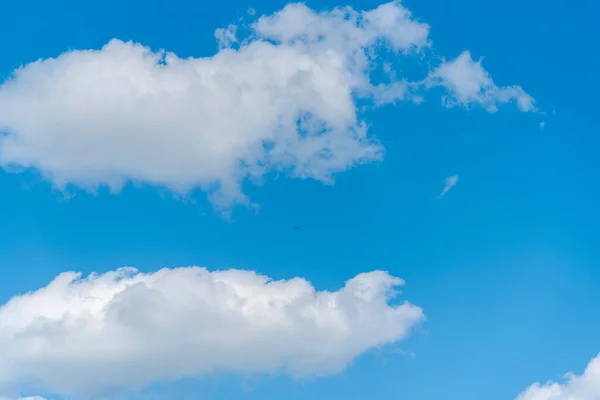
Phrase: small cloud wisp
(449,183)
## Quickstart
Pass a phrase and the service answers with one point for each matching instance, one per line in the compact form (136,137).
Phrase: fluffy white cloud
(284,98)
(125,329)
(582,387)
(345,30)
(469,83)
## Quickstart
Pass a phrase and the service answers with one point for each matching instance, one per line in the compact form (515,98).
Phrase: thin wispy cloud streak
(449,183)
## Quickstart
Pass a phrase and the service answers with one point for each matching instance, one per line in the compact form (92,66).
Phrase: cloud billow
(124,330)
(283,99)
(574,387)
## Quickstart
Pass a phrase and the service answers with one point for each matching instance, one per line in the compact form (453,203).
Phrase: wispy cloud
(449,183)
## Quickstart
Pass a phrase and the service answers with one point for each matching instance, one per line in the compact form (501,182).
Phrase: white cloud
(449,183)
(575,387)
(345,30)
(125,329)
(284,98)
(26,398)
(469,83)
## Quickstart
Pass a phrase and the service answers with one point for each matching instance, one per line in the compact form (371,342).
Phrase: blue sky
(503,266)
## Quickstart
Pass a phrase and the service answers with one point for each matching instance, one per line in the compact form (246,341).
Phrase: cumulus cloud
(575,387)
(449,183)
(125,329)
(282,98)
(469,83)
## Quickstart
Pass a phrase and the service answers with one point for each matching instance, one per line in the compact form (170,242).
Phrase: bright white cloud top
(283,98)
(575,387)
(125,329)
